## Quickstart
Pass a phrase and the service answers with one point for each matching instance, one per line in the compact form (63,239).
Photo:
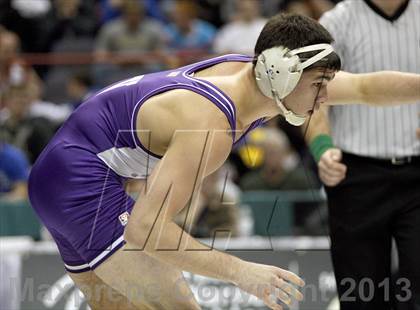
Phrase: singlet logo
(124,218)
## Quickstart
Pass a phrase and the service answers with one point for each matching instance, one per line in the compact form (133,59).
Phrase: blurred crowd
(55,53)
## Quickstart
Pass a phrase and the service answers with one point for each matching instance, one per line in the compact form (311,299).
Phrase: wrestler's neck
(389,7)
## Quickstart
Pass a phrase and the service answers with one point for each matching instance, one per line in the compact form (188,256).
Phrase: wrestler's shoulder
(184,109)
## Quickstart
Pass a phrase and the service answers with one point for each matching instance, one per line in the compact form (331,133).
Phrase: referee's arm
(384,88)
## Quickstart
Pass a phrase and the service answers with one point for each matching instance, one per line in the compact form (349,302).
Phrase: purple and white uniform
(76,185)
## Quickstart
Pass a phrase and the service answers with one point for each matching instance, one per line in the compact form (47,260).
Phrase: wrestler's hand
(331,170)
(270,283)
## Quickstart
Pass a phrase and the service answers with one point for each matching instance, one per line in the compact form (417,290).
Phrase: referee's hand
(331,170)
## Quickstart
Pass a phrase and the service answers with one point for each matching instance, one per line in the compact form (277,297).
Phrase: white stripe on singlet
(368,42)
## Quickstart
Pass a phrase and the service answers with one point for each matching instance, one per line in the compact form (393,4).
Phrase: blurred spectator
(187,31)
(280,169)
(79,88)
(14,169)
(15,73)
(228,8)
(13,70)
(30,134)
(250,158)
(111,9)
(121,42)
(242,33)
(217,211)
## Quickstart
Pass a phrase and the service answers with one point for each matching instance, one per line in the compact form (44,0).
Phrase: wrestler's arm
(317,124)
(384,88)
(190,156)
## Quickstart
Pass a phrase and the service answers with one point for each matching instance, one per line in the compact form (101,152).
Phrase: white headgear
(278,71)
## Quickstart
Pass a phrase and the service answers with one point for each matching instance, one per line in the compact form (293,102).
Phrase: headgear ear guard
(278,71)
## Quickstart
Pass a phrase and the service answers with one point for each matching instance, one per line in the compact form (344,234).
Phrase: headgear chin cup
(290,116)
(278,71)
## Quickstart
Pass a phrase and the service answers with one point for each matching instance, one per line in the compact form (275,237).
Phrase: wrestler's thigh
(145,280)
(99,295)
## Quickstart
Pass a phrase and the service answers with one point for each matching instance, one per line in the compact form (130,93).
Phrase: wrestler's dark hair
(293,31)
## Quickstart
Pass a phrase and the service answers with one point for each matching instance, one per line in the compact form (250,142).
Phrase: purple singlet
(76,185)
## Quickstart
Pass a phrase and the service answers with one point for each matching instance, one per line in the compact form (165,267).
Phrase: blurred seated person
(279,167)
(13,69)
(250,158)
(122,42)
(241,34)
(111,9)
(216,212)
(186,30)
(14,171)
(14,72)
(18,127)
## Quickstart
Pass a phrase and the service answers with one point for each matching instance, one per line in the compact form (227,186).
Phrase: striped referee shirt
(367,41)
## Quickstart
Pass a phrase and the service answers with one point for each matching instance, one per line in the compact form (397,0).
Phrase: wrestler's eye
(318,84)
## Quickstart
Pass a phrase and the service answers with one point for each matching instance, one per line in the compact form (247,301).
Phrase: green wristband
(319,145)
